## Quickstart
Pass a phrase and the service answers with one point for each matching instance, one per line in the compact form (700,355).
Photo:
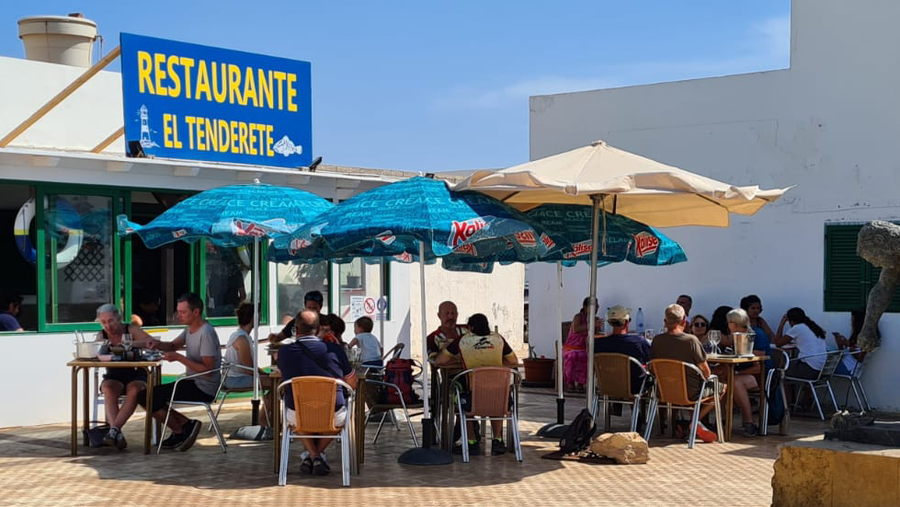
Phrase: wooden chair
(314,408)
(671,388)
(613,375)
(490,389)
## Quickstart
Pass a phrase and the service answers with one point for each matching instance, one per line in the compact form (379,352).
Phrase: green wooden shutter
(848,278)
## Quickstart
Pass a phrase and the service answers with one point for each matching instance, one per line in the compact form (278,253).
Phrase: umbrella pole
(557,429)
(596,201)
(425,455)
(254,419)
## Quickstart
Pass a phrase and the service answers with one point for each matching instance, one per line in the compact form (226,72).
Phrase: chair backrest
(858,368)
(314,404)
(832,360)
(613,374)
(671,380)
(780,359)
(490,391)
(395,351)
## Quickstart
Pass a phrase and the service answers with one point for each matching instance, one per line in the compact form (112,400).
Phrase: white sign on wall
(356,307)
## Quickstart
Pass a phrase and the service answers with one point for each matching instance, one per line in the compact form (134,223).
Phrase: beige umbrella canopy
(642,189)
(616,181)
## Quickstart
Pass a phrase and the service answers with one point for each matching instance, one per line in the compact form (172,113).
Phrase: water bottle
(639,322)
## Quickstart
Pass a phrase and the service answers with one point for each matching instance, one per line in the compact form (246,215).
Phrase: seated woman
(853,354)
(575,349)
(810,341)
(753,306)
(719,321)
(700,329)
(745,375)
(239,351)
(118,381)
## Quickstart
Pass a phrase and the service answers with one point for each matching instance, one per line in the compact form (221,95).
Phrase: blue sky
(421,86)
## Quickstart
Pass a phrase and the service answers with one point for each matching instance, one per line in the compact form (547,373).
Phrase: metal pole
(427,415)
(381,313)
(254,418)
(592,310)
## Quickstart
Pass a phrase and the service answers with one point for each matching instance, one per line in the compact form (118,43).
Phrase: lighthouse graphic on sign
(146,141)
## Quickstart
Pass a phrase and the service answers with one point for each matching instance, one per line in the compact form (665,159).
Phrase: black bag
(776,400)
(95,435)
(578,435)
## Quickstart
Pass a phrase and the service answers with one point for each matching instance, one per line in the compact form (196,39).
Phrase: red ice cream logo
(579,249)
(404,257)
(645,244)
(549,243)
(386,237)
(296,245)
(466,249)
(179,233)
(248,229)
(462,231)
(526,239)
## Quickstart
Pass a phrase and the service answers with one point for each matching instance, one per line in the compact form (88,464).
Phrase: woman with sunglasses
(699,328)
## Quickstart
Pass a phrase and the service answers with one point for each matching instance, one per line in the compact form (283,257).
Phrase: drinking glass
(126,342)
(714,337)
(649,334)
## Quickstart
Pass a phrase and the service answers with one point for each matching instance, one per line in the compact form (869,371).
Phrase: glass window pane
(78,242)
(294,281)
(228,278)
(17,253)
(360,280)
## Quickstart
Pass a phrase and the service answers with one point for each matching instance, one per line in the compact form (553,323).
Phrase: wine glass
(714,337)
(649,334)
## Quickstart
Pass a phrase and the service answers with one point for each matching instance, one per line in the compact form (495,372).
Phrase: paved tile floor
(37,470)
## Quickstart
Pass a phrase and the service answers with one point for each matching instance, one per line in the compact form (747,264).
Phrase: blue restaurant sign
(194,102)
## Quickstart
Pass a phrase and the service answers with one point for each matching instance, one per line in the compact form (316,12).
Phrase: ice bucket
(743,343)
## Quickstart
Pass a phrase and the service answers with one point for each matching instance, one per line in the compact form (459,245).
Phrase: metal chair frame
(634,400)
(770,379)
(854,382)
(205,404)
(343,435)
(695,408)
(832,359)
(224,391)
(512,415)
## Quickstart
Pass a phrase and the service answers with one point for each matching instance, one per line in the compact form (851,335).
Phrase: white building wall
(829,125)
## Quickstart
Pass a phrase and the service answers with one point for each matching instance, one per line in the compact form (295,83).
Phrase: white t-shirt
(369,346)
(808,344)
(232,356)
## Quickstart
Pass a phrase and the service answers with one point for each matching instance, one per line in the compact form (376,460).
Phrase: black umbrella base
(553,430)
(425,456)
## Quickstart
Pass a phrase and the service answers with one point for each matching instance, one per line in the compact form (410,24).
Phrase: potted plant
(538,370)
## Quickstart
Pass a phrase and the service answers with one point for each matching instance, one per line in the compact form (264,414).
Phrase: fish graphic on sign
(287,147)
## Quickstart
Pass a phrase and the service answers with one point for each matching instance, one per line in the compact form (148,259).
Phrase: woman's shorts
(241,382)
(126,375)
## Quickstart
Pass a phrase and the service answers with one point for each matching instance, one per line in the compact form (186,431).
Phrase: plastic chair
(223,370)
(224,391)
(314,399)
(490,388)
(671,388)
(854,382)
(613,375)
(775,380)
(832,359)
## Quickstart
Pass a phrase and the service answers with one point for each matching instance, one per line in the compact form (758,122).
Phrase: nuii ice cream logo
(460,232)
(296,245)
(645,244)
(579,249)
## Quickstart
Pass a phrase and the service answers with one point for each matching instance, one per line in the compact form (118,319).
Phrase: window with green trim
(18,254)
(848,277)
(295,280)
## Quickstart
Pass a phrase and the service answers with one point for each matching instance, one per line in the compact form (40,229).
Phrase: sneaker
(121,444)
(306,466)
(750,430)
(189,432)
(110,437)
(497,447)
(320,467)
(704,434)
(475,448)
(173,440)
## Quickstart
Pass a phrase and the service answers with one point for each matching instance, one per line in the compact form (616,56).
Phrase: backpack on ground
(776,400)
(578,435)
(399,372)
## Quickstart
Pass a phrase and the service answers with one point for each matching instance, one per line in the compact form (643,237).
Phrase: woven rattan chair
(613,375)
(671,388)
(314,408)
(490,391)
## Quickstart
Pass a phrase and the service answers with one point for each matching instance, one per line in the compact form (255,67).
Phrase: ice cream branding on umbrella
(466,249)
(645,244)
(527,239)
(461,231)
(386,237)
(297,244)
(404,257)
(579,249)
(179,233)
(241,228)
(547,242)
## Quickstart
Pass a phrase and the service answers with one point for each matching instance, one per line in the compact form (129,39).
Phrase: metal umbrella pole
(557,429)
(596,202)
(254,419)
(425,455)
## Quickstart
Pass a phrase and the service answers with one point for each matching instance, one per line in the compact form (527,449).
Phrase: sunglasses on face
(699,324)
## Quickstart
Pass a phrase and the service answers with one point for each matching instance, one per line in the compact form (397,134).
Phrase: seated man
(620,341)
(313,300)
(10,304)
(201,344)
(680,346)
(448,332)
(477,348)
(309,355)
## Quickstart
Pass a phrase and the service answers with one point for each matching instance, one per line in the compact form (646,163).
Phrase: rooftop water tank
(67,40)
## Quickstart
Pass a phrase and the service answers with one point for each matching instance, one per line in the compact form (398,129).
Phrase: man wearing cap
(313,300)
(620,341)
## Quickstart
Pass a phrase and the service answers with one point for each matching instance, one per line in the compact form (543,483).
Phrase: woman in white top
(239,351)
(809,338)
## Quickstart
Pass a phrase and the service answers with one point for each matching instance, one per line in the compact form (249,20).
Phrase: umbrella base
(426,455)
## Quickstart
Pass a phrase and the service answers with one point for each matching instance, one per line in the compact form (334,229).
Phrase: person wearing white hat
(620,341)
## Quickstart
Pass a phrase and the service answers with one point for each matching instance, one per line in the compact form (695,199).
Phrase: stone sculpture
(879,243)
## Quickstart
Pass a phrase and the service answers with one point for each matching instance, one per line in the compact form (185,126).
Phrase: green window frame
(198,285)
(848,277)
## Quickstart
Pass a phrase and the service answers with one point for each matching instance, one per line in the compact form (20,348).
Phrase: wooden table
(730,362)
(154,377)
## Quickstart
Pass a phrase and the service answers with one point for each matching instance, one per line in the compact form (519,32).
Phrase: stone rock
(879,243)
(627,448)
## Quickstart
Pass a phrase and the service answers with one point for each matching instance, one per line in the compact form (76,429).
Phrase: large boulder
(627,448)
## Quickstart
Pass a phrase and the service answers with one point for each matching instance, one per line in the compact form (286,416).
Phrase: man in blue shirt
(309,355)
(9,308)
(620,341)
